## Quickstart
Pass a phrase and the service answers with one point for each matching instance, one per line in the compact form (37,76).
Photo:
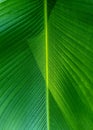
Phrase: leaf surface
(46,59)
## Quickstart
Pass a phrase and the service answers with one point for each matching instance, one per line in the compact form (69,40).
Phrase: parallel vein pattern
(22,86)
(46,59)
(70,65)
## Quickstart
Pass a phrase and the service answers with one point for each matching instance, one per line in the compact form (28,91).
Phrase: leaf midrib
(46,46)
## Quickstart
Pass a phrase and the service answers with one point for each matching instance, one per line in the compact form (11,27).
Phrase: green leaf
(46,59)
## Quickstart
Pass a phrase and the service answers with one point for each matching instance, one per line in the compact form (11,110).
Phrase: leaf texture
(46,87)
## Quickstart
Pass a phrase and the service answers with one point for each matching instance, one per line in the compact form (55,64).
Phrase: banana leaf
(46,65)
